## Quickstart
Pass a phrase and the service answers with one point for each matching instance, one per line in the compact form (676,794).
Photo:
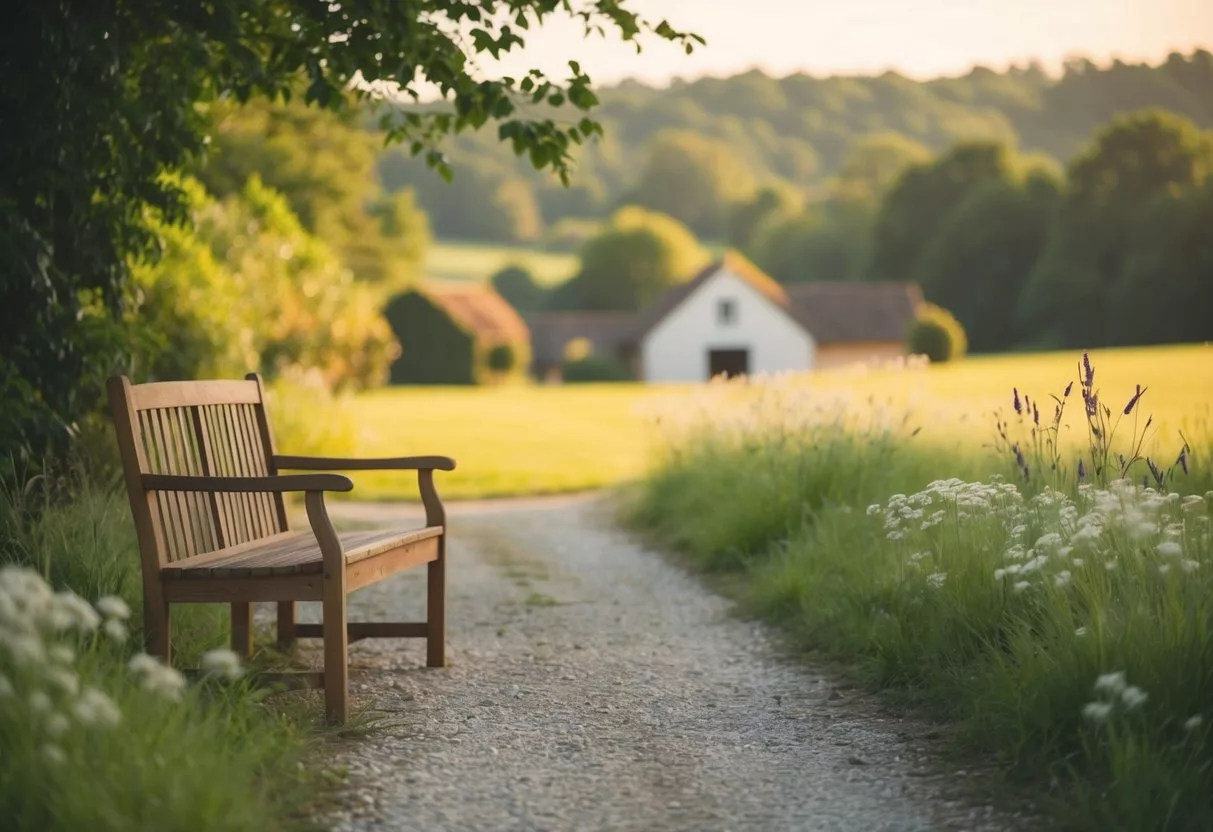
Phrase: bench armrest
(237,485)
(400,463)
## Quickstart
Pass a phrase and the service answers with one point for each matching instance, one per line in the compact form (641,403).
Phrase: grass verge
(98,737)
(1063,626)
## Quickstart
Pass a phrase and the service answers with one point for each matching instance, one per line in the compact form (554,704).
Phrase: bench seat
(293,553)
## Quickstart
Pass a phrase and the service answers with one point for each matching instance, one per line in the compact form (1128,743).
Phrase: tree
(1164,291)
(692,178)
(631,263)
(100,100)
(978,259)
(501,358)
(1110,184)
(937,335)
(517,285)
(922,196)
(745,217)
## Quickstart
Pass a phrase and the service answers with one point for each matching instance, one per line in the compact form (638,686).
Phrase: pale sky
(919,38)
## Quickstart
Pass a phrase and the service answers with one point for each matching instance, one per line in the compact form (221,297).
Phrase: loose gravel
(594,685)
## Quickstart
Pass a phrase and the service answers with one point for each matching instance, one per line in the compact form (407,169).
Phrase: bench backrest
(195,428)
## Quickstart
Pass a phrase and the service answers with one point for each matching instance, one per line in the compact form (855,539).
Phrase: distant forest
(794,133)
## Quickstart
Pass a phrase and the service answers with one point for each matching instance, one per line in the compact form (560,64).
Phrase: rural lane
(595,685)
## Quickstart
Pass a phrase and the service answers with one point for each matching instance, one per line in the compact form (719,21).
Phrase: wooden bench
(207,498)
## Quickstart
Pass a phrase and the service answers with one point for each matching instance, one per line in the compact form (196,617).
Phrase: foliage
(1135,161)
(516,284)
(1063,628)
(633,261)
(744,218)
(201,307)
(936,334)
(434,349)
(103,102)
(594,368)
(692,179)
(501,358)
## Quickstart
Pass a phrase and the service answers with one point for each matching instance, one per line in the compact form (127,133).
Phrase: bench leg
(242,629)
(435,640)
(336,651)
(157,630)
(286,625)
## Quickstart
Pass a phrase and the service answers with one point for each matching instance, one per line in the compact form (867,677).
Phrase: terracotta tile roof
(835,312)
(480,310)
(551,331)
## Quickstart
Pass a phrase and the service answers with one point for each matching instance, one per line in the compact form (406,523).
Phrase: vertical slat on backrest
(206,466)
(226,466)
(201,518)
(244,467)
(133,451)
(157,459)
(267,517)
(267,444)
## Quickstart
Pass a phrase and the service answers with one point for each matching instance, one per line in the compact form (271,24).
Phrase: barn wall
(676,350)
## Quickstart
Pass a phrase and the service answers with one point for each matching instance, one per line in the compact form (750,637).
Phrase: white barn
(735,320)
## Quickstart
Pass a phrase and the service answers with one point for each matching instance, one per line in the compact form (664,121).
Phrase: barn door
(729,362)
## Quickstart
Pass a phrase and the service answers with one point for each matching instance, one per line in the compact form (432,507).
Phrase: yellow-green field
(519,440)
(461,261)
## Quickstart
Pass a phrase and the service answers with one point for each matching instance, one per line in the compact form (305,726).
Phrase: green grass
(507,441)
(523,440)
(926,615)
(223,757)
(463,261)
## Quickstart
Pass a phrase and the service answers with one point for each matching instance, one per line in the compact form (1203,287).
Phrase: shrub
(517,285)
(500,358)
(595,368)
(434,349)
(937,335)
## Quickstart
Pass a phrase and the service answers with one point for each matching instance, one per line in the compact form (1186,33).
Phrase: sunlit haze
(920,38)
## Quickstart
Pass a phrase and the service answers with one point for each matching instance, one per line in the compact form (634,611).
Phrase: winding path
(596,686)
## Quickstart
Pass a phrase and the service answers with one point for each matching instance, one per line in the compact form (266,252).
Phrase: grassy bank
(97,736)
(477,262)
(1064,627)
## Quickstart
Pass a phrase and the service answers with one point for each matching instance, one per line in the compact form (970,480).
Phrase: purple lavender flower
(1183,460)
(1069,387)
(1082,470)
(1133,401)
(1088,370)
(1015,400)
(1036,414)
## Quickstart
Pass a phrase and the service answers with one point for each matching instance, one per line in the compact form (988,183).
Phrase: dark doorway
(729,362)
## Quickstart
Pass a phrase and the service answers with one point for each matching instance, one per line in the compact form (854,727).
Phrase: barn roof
(551,331)
(836,312)
(480,310)
(735,263)
(832,311)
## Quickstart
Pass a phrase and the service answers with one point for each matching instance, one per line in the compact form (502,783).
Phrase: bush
(594,368)
(937,335)
(433,348)
(517,285)
(501,358)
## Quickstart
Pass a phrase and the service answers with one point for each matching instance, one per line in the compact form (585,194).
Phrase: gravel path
(593,685)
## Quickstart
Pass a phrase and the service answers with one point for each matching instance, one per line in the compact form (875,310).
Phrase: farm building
(731,318)
(454,334)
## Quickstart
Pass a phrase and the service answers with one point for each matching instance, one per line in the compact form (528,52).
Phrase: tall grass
(1062,622)
(96,736)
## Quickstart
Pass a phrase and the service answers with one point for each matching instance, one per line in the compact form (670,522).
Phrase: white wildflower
(1096,711)
(54,754)
(936,579)
(63,679)
(1062,578)
(1164,568)
(1064,551)
(222,663)
(79,613)
(896,535)
(1110,565)
(115,630)
(1078,561)
(1189,566)
(1048,541)
(918,557)
(1020,586)
(40,703)
(157,677)
(1134,697)
(1081,632)
(1018,531)
(24,648)
(1111,683)
(1193,722)
(1144,530)
(61,654)
(874,509)
(111,606)
(1169,549)
(57,725)
(95,708)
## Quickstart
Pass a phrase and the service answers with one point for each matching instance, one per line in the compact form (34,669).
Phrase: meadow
(521,440)
(464,261)
(1056,615)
